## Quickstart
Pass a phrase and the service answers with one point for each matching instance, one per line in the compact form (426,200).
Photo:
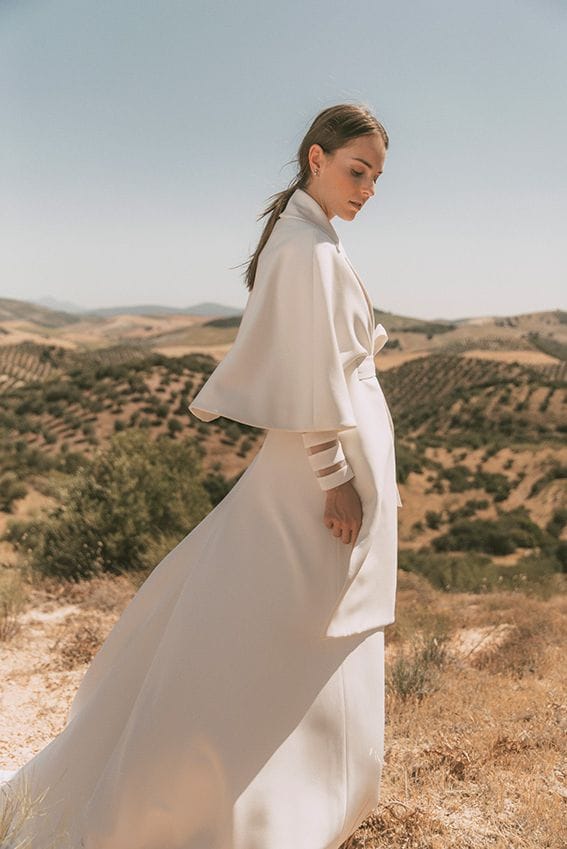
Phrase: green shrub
(432,519)
(112,512)
(472,573)
(33,403)
(481,535)
(11,488)
(468,509)
(161,410)
(217,486)
(406,461)
(174,426)
(459,478)
(12,602)
(494,483)
(499,536)
(62,391)
(70,462)
(232,432)
(522,530)
(561,555)
(557,522)
(556,471)
(476,573)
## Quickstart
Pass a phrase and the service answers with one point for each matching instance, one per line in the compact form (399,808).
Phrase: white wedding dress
(218,713)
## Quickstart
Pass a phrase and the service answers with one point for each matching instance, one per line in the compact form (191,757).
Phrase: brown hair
(333,128)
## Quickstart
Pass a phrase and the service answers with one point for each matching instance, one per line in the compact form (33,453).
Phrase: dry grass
(79,647)
(476,709)
(478,760)
(16,806)
(12,602)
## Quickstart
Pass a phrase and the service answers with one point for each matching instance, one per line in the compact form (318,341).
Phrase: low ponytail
(274,210)
(331,129)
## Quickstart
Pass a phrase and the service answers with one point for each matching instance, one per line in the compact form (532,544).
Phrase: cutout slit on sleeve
(326,458)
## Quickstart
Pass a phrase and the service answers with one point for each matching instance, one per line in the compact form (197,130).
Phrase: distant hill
(15,310)
(213,309)
(55,304)
(204,309)
(538,338)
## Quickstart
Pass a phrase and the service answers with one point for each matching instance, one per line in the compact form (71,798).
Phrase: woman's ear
(315,157)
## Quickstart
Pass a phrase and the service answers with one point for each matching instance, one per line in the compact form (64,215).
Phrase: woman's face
(347,177)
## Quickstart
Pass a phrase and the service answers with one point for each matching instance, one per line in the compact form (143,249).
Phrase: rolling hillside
(479,407)
(475,437)
(534,337)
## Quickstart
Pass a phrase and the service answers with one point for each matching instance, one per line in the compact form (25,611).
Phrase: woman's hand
(343,512)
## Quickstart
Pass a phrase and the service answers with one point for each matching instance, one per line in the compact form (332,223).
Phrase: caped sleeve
(284,370)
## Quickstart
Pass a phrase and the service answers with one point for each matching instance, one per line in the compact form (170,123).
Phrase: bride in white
(238,702)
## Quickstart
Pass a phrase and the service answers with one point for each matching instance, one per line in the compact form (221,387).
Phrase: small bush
(432,519)
(12,601)
(459,478)
(414,672)
(451,572)
(11,488)
(136,491)
(174,426)
(217,486)
(511,530)
(476,573)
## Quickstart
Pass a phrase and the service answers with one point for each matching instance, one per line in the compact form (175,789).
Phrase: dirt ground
(475,722)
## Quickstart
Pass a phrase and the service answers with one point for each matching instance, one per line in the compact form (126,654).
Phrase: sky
(141,141)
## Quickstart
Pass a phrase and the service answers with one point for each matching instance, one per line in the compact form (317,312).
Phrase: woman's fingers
(345,533)
(343,513)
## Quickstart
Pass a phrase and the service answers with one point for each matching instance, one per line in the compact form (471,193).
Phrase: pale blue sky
(141,140)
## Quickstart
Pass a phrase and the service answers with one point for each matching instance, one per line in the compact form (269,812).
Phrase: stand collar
(302,205)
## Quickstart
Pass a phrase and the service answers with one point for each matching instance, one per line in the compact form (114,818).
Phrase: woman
(238,701)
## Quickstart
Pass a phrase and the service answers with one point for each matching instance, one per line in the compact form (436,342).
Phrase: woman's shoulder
(299,236)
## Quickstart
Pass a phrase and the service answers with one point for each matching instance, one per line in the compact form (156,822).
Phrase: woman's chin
(348,214)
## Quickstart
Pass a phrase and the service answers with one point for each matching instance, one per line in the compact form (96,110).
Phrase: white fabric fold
(285,370)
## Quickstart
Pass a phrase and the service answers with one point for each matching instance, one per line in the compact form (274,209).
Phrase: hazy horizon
(194,304)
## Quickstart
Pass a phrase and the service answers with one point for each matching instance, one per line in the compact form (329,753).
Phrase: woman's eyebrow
(368,165)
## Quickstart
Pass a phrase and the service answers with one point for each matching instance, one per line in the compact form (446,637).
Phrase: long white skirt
(216,715)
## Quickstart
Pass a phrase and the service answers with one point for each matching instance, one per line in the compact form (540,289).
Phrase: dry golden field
(476,707)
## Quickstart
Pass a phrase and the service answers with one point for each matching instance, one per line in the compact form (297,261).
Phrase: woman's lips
(354,203)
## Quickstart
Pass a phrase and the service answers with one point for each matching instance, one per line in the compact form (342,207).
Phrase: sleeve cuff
(342,475)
